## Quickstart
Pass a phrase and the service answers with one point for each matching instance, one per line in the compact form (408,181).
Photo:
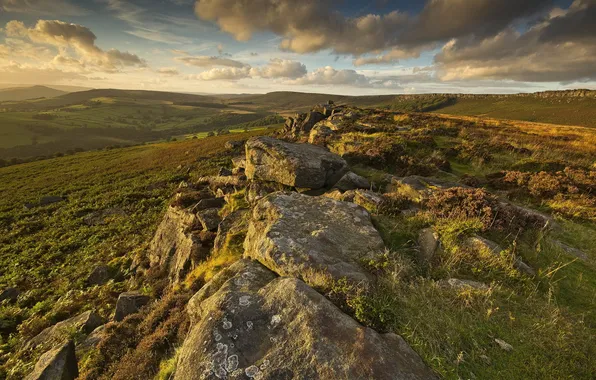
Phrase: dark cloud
(310,25)
(553,50)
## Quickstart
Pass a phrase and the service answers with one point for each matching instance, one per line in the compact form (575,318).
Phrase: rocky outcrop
(83,323)
(368,199)
(129,303)
(297,165)
(301,124)
(304,237)
(57,364)
(246,323)
(176,246)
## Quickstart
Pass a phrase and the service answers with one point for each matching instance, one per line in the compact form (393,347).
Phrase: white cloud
(280,68)
(330,76)
(81,39)
(207,61)
(168,71)
(223,73)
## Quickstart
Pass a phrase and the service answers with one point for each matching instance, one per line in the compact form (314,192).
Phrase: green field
(573,111)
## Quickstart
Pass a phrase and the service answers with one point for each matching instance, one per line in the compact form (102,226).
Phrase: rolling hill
(26,93)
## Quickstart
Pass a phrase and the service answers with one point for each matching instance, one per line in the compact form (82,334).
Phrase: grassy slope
(572,111)
(48,251)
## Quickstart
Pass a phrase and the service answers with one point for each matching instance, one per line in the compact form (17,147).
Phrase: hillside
(26,93)
(97,119)
(421,245)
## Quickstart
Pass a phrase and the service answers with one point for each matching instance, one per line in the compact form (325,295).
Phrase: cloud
(147,23)
(224,73)
(550,51)
(280,68)
(168,71)
(42,7)
(80,38)
(207,61)
(393,56)
(312,25)
(330,76)
(28,74)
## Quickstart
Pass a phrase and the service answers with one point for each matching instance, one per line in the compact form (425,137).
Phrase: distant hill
(26,93)
(72,98)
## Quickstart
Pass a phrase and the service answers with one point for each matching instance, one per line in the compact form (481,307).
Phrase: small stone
(504,345)
(428,243)
(352,181)
(224,172)
(57,364)
(99,276)
(129,303)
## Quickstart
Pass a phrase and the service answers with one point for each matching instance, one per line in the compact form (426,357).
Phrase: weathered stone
(231,231)
(224,172)
(10,294)
(50,199)
(544,221)
(301,236)
(249,324)
(175,248)
(298,165)
(257,190)
(312,118)
(429,244)
(99,275)
(129,303)
(320,134)
(352,181)
(417,188)
(101,217)
(368,199)
(207,203)
(459,284)
(57,364)
(482,244)
(230,145)
(58,333)
(209,219)
(570,250)
(91,341)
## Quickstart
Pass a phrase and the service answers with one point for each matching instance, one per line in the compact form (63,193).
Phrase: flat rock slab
(298,165)
(301,236)
(57,364)
(247,324)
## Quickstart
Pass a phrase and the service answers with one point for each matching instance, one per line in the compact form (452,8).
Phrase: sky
(326,46)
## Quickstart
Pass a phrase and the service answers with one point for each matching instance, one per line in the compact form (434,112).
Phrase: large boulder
(129,303)
(177,247)
(248,324)
(57,364)
(304,237)
(298,165)
(57,334)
